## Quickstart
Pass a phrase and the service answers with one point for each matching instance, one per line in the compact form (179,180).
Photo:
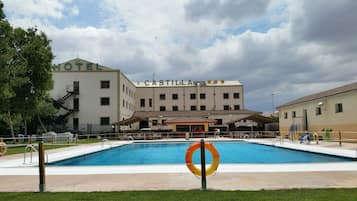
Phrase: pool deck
(16,176)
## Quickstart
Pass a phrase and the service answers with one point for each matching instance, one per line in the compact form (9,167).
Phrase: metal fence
(75,138)
(333,136)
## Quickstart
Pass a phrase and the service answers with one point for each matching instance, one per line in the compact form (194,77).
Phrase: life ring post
(203,172)
(41,165)
(203,166)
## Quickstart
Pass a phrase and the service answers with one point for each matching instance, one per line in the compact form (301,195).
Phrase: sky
(279,50)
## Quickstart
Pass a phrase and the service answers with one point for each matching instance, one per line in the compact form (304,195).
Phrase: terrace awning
(190,121)
(129,121)
(258,118)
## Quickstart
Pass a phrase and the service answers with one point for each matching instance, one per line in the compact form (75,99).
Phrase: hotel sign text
(77,66)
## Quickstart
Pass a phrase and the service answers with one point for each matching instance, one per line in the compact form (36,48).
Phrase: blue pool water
(174,153)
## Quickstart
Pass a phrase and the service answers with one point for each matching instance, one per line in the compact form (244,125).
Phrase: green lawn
(17,150)
(85,141)
(20,150)
(279,195)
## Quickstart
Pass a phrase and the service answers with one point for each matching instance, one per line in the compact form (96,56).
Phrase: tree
(2,15)
(25,74)
(12,71)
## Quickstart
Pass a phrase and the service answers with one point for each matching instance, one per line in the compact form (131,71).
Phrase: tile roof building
(333,109)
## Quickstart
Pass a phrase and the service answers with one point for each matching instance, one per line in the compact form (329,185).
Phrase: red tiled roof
(323,94)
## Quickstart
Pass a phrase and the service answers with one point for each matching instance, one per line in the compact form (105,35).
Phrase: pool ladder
(105,141)
(32,148)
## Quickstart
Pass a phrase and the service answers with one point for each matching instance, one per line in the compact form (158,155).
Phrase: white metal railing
(345,136)
(169,135)
(106,141)
(30,139)
(32,149)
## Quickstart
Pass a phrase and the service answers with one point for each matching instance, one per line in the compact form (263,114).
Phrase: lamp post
(272,101)
(251,128)
(160,121)
(113,128)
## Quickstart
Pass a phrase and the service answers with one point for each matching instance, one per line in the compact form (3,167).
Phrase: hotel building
(333,109)
(94,98)
(179,95)
(91,96)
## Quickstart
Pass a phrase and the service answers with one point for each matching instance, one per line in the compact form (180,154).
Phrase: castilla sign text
(168,83)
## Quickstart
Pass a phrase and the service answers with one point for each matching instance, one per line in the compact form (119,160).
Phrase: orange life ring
(212,168)
(3,148)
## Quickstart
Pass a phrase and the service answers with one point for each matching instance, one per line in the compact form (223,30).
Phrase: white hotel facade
(93,98)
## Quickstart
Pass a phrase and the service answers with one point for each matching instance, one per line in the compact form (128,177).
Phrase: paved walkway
(182,181)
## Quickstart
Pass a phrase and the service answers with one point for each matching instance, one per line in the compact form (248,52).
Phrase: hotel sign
(169,83)
(77,66)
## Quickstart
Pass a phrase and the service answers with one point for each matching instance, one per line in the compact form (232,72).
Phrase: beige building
(179,105)
(332,109)
(91,96)
(179,95)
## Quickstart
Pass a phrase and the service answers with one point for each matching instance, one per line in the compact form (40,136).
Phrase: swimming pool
(174,153)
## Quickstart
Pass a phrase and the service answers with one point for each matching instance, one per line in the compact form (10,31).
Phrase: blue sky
(89,15)
(279,46)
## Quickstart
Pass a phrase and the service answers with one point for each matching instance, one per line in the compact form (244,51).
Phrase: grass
(20,150)
(85,141)
(276,195)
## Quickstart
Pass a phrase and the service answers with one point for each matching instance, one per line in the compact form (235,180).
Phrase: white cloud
(74,10)
(33,8)
(144,37)
(229,11)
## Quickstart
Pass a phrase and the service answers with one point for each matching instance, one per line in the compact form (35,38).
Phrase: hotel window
(76,104)
(123,103)
(226,107)
(105,84)
(150,102)
(338,108)
(202,96)
(123,88)
(142,102)
(104,121)
(202,107)
(193,96)
(293,114)
(225,95)
(318,111)
(162,108)
(175,108)
(193,108)
(154,122)
(236,107)
(285,115)
(236,95)
(75,123)
(162,96)
(104,101)
(76,87)
(174,96)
